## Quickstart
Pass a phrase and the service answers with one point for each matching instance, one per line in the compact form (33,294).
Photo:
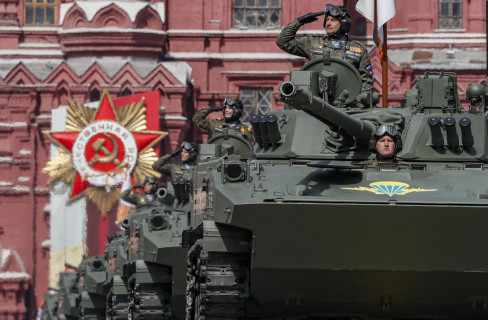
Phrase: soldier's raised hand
(216,108)
(175,153)
(310,17)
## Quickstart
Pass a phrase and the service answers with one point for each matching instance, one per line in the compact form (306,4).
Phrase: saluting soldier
(188,158)
(232,112)
(150,186)
(337,24)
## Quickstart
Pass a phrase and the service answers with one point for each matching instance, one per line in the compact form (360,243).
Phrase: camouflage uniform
(213,125)
(139,199)
(173,170)
(313,46)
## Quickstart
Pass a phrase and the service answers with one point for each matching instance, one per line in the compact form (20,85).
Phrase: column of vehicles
(306,224)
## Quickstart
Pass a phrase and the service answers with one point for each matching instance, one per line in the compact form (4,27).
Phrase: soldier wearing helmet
(385,143)
(149,186)
(232,112)
(188,153)
(337,24)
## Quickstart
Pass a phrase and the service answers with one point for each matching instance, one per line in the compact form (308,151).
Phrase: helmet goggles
(151,180)
(230,102)
(333,10)
(187,146)
(386,130)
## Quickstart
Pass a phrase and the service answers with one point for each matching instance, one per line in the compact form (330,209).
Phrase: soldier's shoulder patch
(369,69)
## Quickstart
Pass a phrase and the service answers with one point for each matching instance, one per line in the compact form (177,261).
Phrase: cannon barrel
(161,193)
(303,98)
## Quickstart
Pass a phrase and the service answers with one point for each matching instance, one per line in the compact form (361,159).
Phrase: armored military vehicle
(49,309)
(312,226)
(117,301)
(68,303)
(156,264)
(92,287)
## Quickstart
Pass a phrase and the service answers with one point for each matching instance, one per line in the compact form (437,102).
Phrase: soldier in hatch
(188,158)
(150,186)
(386,143)
(232,112)
(337,24)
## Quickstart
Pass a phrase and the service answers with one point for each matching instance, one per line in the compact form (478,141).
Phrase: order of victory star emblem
(101,147)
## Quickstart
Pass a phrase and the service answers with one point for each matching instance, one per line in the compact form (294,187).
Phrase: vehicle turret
(49,309)
(117,256)
(68,303)
(93,289)
(301,97)
(156,260)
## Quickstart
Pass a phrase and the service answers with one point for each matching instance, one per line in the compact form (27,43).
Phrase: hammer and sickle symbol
(109,156)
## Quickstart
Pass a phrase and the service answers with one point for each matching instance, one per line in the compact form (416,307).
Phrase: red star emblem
(104,148)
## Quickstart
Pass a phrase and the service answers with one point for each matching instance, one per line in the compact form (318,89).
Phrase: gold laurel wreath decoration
(132,117)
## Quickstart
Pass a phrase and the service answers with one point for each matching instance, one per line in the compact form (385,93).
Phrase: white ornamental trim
(98,178)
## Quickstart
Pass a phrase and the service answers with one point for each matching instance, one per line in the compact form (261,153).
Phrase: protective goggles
(151,180)
(187,146)
(229,102)
(385,129)
(333,10)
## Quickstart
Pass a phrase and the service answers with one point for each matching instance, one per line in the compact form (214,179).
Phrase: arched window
(450,14)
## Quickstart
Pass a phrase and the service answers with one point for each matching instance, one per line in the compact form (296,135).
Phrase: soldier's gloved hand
(310,17)
(216,108)
(137,186)
(175,153)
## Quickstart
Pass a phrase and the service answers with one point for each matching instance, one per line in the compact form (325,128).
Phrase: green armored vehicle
(312,226)
(117,301)
(92,287)
(156,265)
(68,305)
(49,309)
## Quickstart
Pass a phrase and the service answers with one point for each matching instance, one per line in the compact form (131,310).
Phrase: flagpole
(384,70)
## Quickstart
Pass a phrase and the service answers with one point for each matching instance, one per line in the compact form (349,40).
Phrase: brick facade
(191,54)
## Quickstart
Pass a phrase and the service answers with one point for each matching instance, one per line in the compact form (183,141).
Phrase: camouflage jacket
(214,126)
(173,170)
(139,199)
(313,47)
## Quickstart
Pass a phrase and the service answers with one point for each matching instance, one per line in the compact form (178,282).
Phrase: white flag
(386,11)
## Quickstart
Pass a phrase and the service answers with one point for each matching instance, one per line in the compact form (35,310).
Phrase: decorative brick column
(13,291)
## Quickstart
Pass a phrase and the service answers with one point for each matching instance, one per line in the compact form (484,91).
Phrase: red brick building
(194,53)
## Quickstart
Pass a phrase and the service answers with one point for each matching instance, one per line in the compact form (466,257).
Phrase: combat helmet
(153,181)
(237,106)
(192,149)
(386,130)
(341,13)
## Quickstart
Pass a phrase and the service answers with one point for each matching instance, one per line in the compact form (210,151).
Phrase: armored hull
(312,226)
